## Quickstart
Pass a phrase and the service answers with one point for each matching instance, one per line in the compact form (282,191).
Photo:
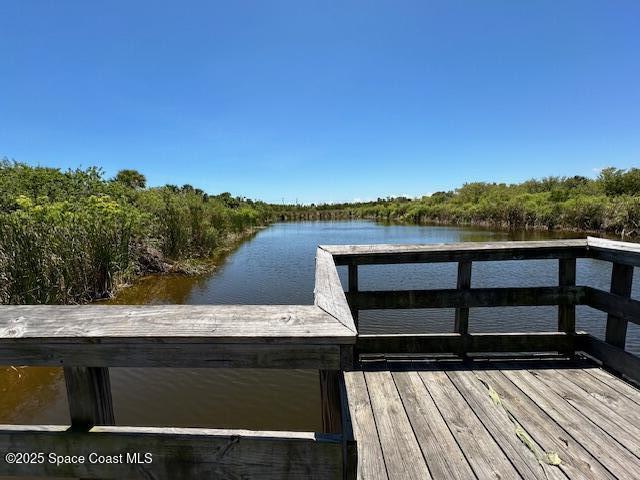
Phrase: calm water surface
(277,267)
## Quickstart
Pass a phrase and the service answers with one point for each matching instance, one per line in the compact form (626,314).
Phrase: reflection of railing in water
(87,340)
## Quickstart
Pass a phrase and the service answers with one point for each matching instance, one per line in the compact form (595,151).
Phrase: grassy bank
(72,237)
(608,204)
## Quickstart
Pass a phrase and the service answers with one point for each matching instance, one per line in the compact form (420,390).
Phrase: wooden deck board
(502,428)
(626,433)
(400,448)
(437,420)
(624,388)
(617,459)
(577,462)
(482,452)
(370,460)
(446,459)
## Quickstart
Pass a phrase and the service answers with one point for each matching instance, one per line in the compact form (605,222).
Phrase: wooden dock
(493,420)
(554,405)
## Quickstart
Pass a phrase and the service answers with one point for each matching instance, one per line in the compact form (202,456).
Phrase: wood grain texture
(403,456)
(166,323)
(567,278)
(461,322)
(89,397)
(616,458)
(612,357)
(187,355)
(577,462)
(626,433)
(624,388)
(328,292)
(621,281)
(179,453)
(481,451)
(444,457)
(469,298)
(616,305)
(455,252)
(371,465)
(476,342)
(497,422)
(627,253)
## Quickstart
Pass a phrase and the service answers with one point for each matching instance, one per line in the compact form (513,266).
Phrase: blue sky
(322,101)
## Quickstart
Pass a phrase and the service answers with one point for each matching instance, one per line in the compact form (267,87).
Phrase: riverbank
(608,204)
(75,237)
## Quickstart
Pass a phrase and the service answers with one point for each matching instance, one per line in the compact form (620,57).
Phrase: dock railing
(87,340)
(617,303)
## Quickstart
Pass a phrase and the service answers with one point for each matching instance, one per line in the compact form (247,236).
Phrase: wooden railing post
(621,281)
(567,313)
(89,397)
(353,287)
(330,401)
(461,324)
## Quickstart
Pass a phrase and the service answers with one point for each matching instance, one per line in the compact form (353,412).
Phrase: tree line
(609,203)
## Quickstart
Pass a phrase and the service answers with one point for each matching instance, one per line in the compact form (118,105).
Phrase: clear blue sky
(322,101)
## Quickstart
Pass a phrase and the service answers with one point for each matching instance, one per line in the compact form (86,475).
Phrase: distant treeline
(609,203)
(71,237)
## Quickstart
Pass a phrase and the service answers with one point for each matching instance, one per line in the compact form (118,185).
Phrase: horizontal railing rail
(617,303)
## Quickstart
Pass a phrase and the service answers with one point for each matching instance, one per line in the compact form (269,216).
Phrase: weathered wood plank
(455,252)
(605,394)
(617,305)
(481,451)
(614,251)
(178,453)
(353,287)
(371,465)
(497,422)
(616,383)
(625,433)
(617,459)
(329,295)
(612,357)
(192,355)
(349,444)
(567,278)
(402,454)
(330,401)
(89,397)
(166,323)
(476,342)
(461,323)
(577,462)
(621,281)
(474,297)
(444,457)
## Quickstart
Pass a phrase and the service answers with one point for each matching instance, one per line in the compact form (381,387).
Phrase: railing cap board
(597,242)
(328,292)
(272,324)
(626,253)
(449,252)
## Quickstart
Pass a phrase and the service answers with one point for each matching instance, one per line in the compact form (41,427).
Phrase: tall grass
(71,237)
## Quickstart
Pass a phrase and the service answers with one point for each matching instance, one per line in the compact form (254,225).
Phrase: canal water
(277,267)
